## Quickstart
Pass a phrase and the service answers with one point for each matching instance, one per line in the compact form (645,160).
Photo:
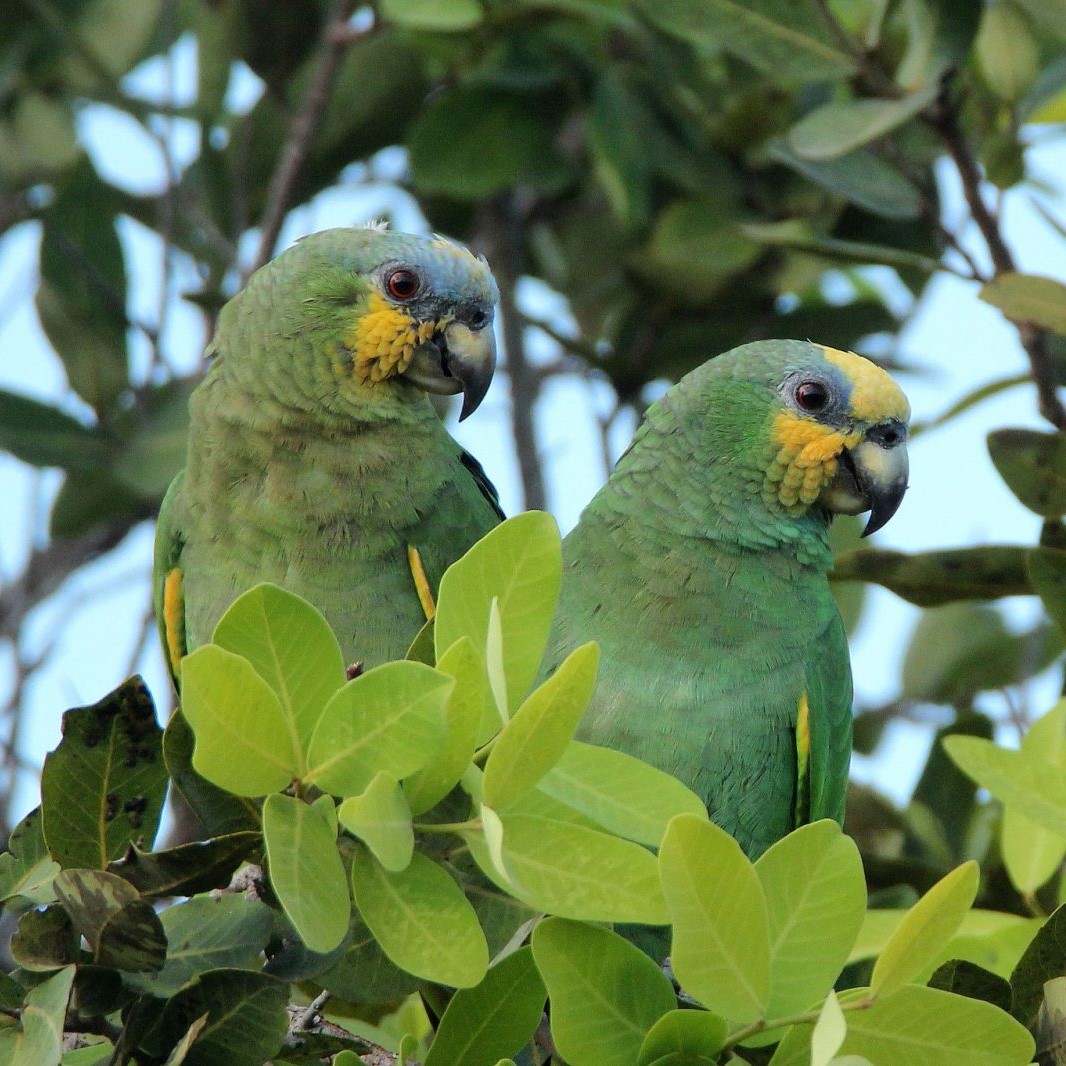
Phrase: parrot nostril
(888,434)
(477,319)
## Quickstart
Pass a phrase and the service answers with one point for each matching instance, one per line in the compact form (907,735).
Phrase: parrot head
(830,428)
(384,310)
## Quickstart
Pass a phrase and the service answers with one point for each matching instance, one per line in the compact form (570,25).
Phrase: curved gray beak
(872,476)
(458,359)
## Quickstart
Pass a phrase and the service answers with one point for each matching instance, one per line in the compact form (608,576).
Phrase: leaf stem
(809,1017)
(448,827)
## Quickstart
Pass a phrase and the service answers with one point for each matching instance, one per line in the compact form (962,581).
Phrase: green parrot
(701,569)
(316,460)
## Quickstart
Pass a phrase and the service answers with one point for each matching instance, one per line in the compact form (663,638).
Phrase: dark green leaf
(1044,959)
(968,979)
(44,940)
(93,498)
(41,435)
(246,1019)
(931,578)
(208,933)
(156,451)
(188,868)
(1047,572)
(493,1019)
(104,786)
(1033,464)
(364,973)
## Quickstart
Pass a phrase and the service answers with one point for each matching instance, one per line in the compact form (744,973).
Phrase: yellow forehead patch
(874,396)
(805,460)
(384,339)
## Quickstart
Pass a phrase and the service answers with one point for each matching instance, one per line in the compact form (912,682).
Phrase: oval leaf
(1032,465)
(381,818)
(1028,298)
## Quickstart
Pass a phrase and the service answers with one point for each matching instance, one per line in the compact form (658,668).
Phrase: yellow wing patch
(418,572)
(874,396)
(806,459)
(174,617)
(384,339)
(803,761)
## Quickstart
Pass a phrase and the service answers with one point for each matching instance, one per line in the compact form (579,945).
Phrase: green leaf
(493,1019)
(306,871)
(921,1027)
(188,868)
(861,178)
(81,299)
(1032,853)
(1014,778)
(1031,463)
(433,15)
(26,868)
(786,42)
(40,1040)
(932,578)
(815,894)
(155,453)
(292,648)
(44,940)
(967,979)
(572,871)
(533,741)
(605,993)
(519,564)
(721,937)
(1047,573)
(244,742)
(388,720)
(1044,959)
(124,930)
(828,1031)
(682,1037)
(41,435)
(619,792)
(926,930)
(246,1018)
(421,919)
(1007,53)
(381,818)
(1028,298)
(361,972)
(207,933)
(468,703)
(837,128)
(104,786)
(446,140)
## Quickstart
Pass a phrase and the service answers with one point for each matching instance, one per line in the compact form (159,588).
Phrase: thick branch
(302,130)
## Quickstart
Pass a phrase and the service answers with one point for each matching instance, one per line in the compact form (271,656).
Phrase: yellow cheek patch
(174,617)
(874,395)
(384,340)
(805,460)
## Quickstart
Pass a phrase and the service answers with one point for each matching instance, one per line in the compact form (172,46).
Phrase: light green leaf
(291,647)
(605,993)
(422,920)
(433,15)
(620,793)
(1028,298)
(696,1035)
(389,720)
(785,41)
(40,1040)
(306,871)
(815,893)
(26,868)
(835,129)
(381,818)
(920,1026)
(463,715)
(494,664)
(721,937)
(535,738)
(496,1017)
(1007,53)
(828,1032)
(928,927)
(574,872)
(520,564)
(1032,853)
(243,742)
(207,933)
(1013,778)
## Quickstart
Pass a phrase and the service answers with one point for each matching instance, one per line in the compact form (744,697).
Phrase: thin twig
(305,123)
(310,1016)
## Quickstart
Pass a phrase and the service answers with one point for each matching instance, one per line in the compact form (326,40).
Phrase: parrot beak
(458,359)
(871,476)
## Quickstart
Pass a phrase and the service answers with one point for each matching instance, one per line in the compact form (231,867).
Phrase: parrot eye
(811,395)
(402,284)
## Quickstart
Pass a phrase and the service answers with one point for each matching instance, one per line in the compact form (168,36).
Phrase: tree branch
(302,130)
